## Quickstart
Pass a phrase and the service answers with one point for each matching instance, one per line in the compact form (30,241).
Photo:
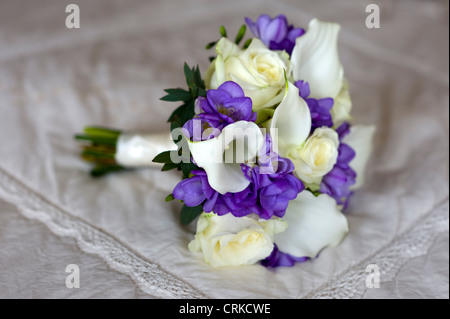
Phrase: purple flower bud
(343,130)
(304,89)
(320,109)
(275,33)
(338,181)
(279,259)
(190,191)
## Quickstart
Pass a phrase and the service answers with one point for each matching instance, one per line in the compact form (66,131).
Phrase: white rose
(258,70)
(317,156)
(232,241)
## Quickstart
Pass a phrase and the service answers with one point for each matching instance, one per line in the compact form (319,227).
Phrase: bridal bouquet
(264,142)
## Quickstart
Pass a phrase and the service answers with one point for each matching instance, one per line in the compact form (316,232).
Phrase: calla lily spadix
(221,156)
(314,223)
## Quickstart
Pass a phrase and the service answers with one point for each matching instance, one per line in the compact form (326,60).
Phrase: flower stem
(100,170)
(99,148)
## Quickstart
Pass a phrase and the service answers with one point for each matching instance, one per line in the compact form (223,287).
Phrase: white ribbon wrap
(138,150)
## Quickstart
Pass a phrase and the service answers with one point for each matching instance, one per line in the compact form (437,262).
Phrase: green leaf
(188,214)
(175,95)
(210,45)
(189,74)
(102,132)
(247,43)
(100,171)
(198,79)
(241,34)
(202,92)
(187,169)
(223,31)
(264,115)
(188,112)
(169,198)
(169,166)
(163,157)
(175,91)
(316,194)
(97,154)
(177,113)
(97,139)
(182,114)
(176,123)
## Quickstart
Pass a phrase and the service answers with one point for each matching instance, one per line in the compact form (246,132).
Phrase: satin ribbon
(138,150)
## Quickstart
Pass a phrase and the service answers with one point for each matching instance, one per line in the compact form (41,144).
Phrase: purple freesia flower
(190,191)
(202,129)
(272,181)
(267,195)
(274,198)
(343,130)
(275,33)
(196,190)
(279,259)
(338,181)
(226,105)
(320,109)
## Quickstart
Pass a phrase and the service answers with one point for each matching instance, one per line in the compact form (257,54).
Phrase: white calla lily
(314,223)
(291,122)
(313,156)
(221,156)
(315,59)
(360,139)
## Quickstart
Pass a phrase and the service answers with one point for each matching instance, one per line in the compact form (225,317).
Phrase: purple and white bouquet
(265,143)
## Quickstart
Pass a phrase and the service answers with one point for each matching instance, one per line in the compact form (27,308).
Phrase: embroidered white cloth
(125,239)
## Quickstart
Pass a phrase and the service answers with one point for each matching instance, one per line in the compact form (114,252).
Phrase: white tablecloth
(126,240)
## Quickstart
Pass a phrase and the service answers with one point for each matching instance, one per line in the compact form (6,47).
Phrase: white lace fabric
(113,70)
